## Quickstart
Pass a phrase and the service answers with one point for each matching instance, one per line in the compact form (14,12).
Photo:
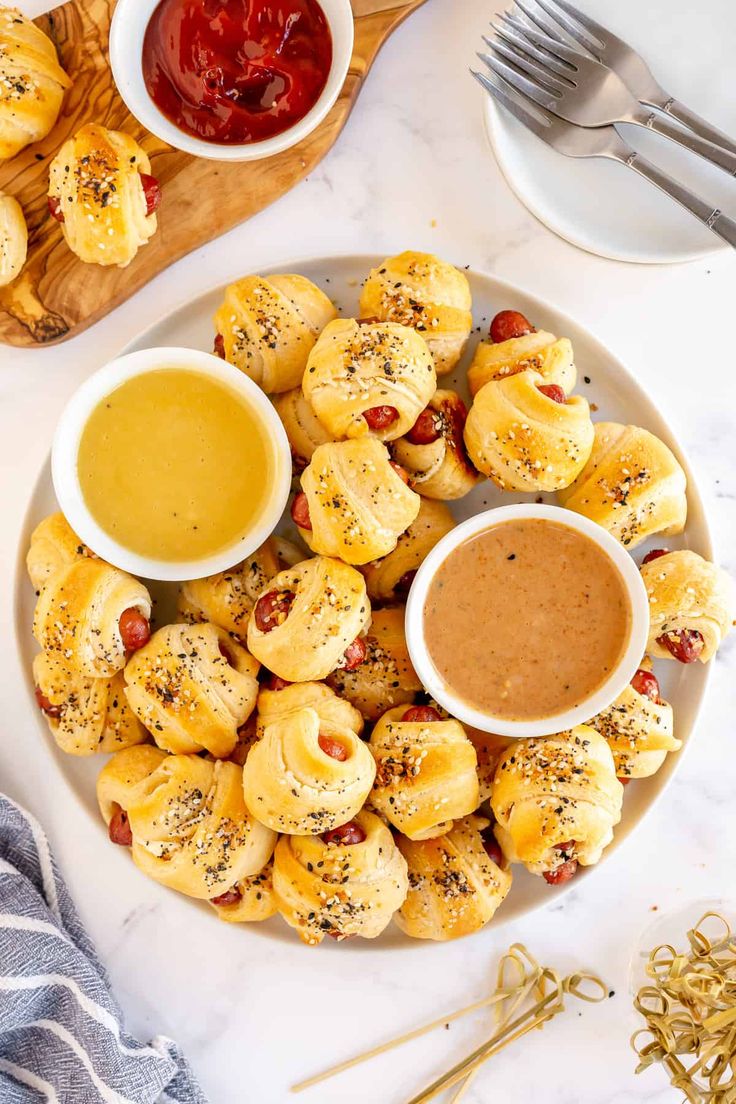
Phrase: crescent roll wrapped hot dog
(433,451)
(557,800)
(54,545)
(184,819)
(638,726)
(389,579)
(426,771)
(85,715)
(32,83)
(692,606)
(515,346)
(372,378)
(277,699)
(303,428)
(92,616)
(526,435)
(306,775)
(386,676)
(249,901)
(455,885)
(309,620)
(102,192)
(431,296)
(347,882)
(354,504)
(228,598)
(632,485)
(268,325)
(193,687)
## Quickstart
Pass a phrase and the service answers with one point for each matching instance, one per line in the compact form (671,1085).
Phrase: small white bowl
(619,678)
(65,451)
(127,32)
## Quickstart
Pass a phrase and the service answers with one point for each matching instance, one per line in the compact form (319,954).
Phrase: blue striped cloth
(61,1034)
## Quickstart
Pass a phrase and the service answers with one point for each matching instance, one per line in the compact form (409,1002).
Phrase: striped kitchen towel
(61,1034)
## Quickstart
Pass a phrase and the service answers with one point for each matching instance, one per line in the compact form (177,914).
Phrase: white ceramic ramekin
(127,32)
(66,448)
(616,682)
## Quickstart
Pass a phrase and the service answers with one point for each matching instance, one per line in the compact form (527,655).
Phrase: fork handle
(717,155)
(696,123)
(710,216)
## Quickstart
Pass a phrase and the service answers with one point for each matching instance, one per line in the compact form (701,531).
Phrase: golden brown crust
(386,677)
(354,368)
(525,441)
(330,888)
(688,592)
(427,294)
(95,177)
(32,83)
(639,731)
(541,352)
(303,428)
(441,469)
(227,599)
(358,505)
(54,545)
(13,238)
(384,577)
(454,887)
(553,790)
(256,899)
(331,710)
(632,485)
(269,326)
(191,830)
(192,686)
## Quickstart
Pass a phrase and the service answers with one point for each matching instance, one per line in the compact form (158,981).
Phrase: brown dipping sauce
(527,619)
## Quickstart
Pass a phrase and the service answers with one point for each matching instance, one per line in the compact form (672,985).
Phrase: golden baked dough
(426,772)
(192,686)
(430,295)
(541,352)
(32,83)
(187,818)
(358,504)
(85,715)
(250,900)
(13,234)
(556,790)
(639,731)
(454,887)
(386,676)
(489,748)
(688,594)
(389,579)
(268,326)
(358,368)
(317,609)
(332,711)
(441,468)
(303,428)
(525,441)
(54,545)
(78,613)
(632,485)
(293,782)
(227,599)
(95,179)
(340,889)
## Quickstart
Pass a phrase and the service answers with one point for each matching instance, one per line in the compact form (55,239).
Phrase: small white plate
(602,206)
(601,378)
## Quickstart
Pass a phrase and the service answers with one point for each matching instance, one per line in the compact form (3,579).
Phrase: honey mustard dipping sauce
(175,465)
(527,619)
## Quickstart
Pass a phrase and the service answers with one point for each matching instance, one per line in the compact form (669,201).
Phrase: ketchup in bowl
(232,72)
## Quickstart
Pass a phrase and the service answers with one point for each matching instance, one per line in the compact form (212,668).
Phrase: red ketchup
(236,71)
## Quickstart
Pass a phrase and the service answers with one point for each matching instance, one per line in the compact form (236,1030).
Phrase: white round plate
(617,396)
(604,207)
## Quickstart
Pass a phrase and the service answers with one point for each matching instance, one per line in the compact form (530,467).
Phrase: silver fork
(626,62)
(575,141)
(579,88)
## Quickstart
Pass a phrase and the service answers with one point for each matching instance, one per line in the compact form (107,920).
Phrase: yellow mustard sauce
(174,465)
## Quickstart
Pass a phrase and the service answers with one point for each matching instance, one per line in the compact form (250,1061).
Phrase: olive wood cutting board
(56,295)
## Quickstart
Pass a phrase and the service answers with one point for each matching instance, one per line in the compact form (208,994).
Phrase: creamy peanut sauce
(526,619)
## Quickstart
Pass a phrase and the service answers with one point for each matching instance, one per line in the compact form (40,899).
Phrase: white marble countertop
(412,169)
